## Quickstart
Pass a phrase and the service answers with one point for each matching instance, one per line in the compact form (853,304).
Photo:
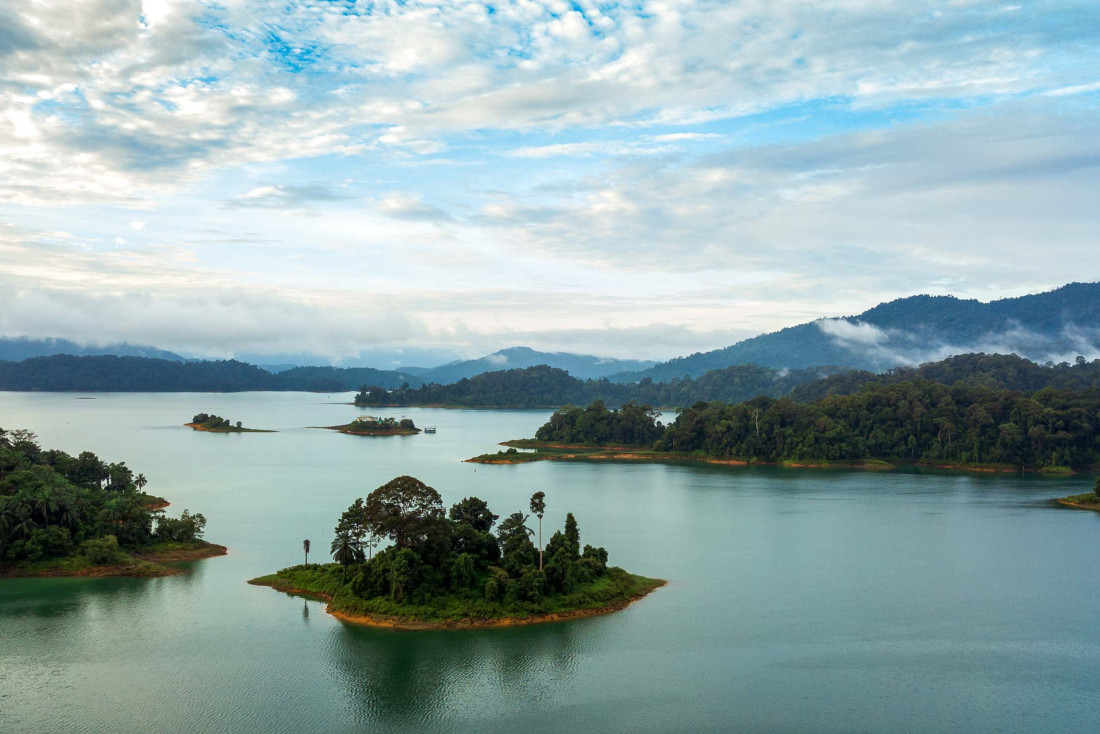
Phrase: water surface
(800,601)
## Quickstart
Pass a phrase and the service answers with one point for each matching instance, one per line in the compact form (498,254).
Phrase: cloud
(849,332)
(402,205)
(288,198)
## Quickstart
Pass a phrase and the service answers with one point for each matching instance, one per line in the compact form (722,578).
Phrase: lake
(799,600)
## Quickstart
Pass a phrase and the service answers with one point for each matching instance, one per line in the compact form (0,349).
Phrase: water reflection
(431,680)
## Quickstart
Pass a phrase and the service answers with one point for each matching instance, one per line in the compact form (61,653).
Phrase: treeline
(631,425)
(456,554)
(905,422)
(998,371)
(53,505)
(542,386)
(63,372)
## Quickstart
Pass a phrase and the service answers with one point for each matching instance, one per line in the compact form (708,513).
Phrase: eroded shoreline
(406,623)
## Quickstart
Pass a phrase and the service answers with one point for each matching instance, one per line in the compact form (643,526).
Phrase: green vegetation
(1089,500)
(547,387)
(450,569)
(62,372)
(370,426)
(217,424)
(913,422)
(65,515)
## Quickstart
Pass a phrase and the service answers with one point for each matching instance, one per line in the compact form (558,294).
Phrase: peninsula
(451,571)
(62,515)
(217,424)
(370,426)
(1087,501)
(924,424)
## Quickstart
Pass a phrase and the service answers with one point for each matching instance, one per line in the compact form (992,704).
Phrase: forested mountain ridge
(15,349)
(580,366)
(1054,326)
(140,374)
(543,386)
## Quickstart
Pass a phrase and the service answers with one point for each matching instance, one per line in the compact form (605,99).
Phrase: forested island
(367,425)
(62,515)
(912,422)
(217,424)
(451,570)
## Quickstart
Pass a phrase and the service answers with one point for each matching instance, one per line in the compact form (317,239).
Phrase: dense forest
(55,506)
(62,372)
(907,422)
(452,564)
(542,386)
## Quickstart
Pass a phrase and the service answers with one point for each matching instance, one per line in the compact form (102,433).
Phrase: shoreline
(231,429)
(140,565)
(579,452)
(345,431)
(406,623)
(1094,507)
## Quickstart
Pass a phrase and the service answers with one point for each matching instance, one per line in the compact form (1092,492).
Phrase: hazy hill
(1055,326)
(16,349)
(580,366)
(64,372)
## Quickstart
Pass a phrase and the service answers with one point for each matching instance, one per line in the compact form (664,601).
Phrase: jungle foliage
(451,564)
(55,506)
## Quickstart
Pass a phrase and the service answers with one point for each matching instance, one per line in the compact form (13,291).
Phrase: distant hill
(1055,326)
(581,366)
(19,348)
(64,372)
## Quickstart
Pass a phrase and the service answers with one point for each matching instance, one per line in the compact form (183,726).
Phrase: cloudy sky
(641,179)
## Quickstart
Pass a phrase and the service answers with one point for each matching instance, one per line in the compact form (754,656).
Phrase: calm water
(799,601)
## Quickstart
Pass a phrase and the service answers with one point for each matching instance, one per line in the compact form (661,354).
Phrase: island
(451,571)
(217,424)
(62,515)
(927,425)
(1087,501)
(367,425)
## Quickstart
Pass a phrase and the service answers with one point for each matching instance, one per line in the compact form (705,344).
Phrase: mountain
(63,372)
(581,366)
(1055,326)
(19,348)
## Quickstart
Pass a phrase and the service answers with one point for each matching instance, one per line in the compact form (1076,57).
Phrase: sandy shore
(403,623)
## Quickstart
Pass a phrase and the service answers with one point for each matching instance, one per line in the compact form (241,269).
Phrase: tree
(538,508)
(140,481)
(1096,487)
(572,537)
(305,547)
(475,512)
(344,551)
(404,510)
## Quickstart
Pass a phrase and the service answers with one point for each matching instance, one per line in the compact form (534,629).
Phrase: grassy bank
(226,429)
(147,562)
(613,591)
(1087,501)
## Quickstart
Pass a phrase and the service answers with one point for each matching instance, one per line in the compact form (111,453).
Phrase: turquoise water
(799,601)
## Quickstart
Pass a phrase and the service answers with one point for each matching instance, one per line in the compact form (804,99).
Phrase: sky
(407,182)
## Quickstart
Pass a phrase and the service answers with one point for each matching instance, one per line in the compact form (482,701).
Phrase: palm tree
(46,503)
(345,551)
(140,481)
(24,522)
(538,508)
(305,545)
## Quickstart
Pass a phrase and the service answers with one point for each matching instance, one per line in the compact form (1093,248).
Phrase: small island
(451,571)
(217,424)
(1087,501)
(367,425)
(62,515)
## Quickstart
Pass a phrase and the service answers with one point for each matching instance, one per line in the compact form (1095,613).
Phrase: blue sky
(417,181)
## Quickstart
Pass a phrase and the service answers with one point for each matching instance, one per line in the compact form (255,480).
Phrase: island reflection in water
(401,679)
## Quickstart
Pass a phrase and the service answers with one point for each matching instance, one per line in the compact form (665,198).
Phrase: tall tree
(344,551)
(305,547)
(538,508)
(403,509)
